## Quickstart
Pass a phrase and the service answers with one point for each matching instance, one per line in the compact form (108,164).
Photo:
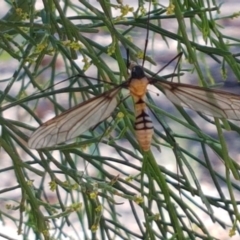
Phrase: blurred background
(100,185)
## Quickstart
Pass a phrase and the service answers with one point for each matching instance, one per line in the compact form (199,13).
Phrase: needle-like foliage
(101,185)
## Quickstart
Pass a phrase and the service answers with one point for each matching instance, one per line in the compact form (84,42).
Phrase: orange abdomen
(144,130)
(143,123)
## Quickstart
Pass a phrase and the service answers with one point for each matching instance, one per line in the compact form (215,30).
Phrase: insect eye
(137,72)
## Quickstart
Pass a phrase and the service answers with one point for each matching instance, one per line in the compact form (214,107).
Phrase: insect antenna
(147,34)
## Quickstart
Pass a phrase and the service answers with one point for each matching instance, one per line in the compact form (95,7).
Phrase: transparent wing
(74,121)
(211,102)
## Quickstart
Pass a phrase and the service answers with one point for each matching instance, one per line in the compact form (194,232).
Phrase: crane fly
(82,117)
(75,121)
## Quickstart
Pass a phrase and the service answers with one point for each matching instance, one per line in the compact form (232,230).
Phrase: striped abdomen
(138,83)
(143,125)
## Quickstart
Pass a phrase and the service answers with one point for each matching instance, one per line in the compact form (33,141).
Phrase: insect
(82,117)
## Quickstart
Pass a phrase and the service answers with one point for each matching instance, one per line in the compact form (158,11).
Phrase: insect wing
(211,102)
(74,121)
